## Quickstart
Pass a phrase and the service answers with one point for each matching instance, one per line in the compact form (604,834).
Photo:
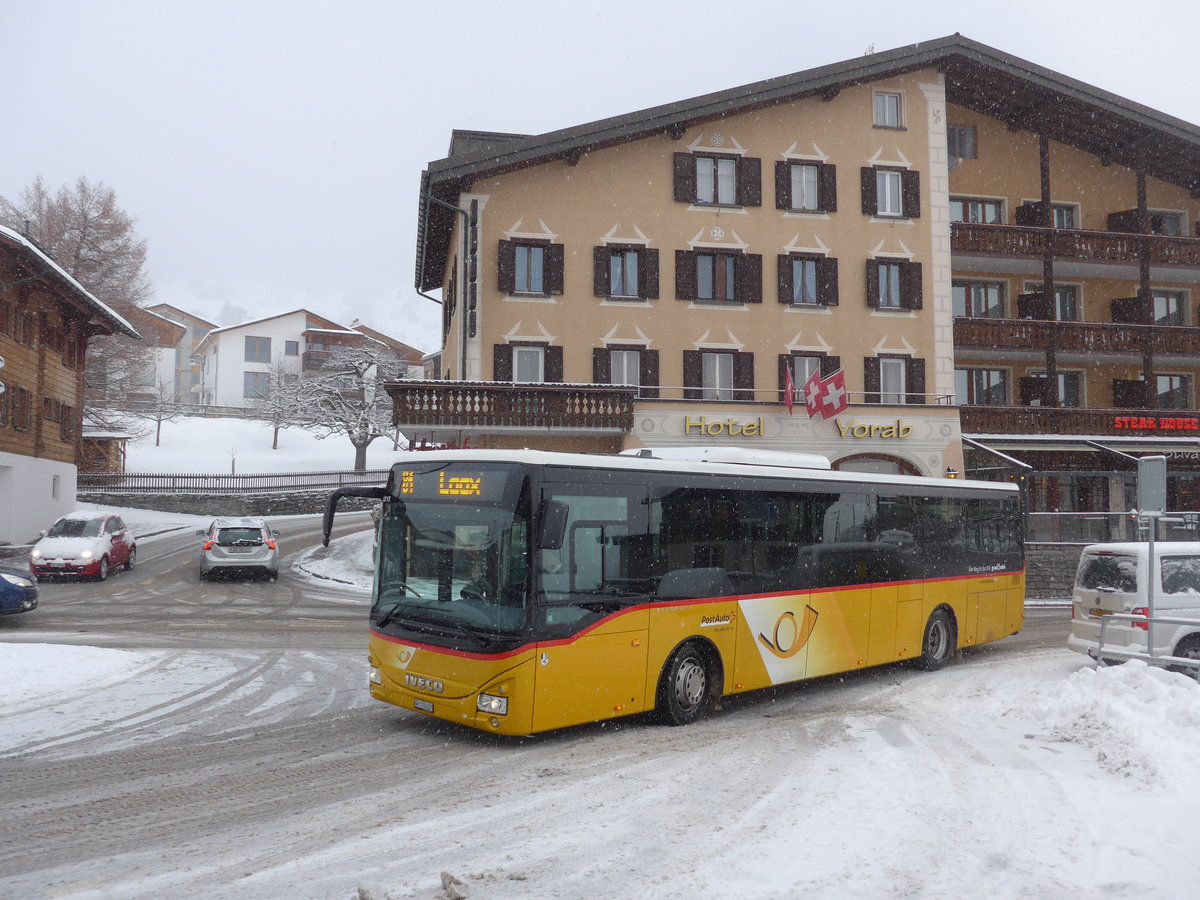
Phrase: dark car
(84,544)
(18,590)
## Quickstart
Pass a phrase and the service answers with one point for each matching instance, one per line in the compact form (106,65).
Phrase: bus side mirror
(553,525)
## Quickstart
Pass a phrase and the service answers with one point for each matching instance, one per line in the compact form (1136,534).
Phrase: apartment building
(46,321)
(997,258)
(180,364)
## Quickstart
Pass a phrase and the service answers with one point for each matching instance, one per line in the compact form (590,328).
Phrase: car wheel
(132,558)
(684,686)
(102,572)
(937,646)
(1188,648)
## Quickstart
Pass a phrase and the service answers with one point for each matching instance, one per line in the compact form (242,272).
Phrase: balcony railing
(1086,337)
(482,405)
(1058,420)
(1025,240)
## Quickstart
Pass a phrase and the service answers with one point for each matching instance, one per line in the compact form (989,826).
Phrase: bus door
(592,568)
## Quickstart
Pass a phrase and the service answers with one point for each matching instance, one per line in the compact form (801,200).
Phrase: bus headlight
(490,703)
(375,676)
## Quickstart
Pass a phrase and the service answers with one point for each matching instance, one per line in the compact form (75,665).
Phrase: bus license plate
(423,705)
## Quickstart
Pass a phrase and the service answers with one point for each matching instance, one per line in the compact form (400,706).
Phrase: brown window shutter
(747,277)
(1130,394)
(601,366)
(873,283)
(648,369)
(1032,213)
(827,281)
(749,178)
(685,177)
(783,185)
(743,376)
(910,193)
(692,375)
(784,263)
(870,196)
(911,289)
(506,268)
(601,274)
(871,379)
(827,187)
(502,362)
(1034,390)
(829,365)
(685,275)
(648,274)
(914,380)
(553,277)
(553,364)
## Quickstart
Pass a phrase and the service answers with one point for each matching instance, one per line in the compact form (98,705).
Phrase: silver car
(239,546)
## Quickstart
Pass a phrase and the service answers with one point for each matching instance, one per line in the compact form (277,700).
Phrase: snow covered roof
(114,320)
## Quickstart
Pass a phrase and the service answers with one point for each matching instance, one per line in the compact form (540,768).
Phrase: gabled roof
(52,272)
(310,317)
(979,77)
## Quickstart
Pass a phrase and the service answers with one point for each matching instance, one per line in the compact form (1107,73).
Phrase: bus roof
(638,463)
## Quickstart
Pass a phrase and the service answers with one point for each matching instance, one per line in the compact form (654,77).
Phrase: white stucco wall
(225,356)
(27,496)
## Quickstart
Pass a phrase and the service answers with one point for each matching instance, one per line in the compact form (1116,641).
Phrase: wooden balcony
(1024,240)
(503,407)
(1048,420)
(1076,337)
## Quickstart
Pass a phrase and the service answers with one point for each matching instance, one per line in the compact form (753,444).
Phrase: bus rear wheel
(683,689)
(937,646)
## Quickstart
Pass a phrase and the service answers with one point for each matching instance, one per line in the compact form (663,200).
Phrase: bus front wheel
(683,689)
(937,646)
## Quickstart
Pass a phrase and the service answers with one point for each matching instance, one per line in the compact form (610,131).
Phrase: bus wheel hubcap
(689,683)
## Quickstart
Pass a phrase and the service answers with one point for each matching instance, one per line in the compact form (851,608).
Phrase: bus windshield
(451,568)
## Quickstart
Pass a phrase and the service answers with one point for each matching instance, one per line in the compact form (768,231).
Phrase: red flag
(789,389)
(833,397)
(812,394)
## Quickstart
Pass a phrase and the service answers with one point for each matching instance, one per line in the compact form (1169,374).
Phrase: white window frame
(527,361)
(805,187)
(889,109)
(891,284)
(893,378)
(529,269)
(623,273)
(716,180)
(889,192)
(716,375)
(625,367)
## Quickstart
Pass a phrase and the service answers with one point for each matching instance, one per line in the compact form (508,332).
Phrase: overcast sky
(271,151)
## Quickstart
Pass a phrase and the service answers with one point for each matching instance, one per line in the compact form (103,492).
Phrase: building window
(1169,307)
(1063,215)
(1066,299)
(291,348)
(895,193)
(198,333)
(529,267)
(809,187)
(979,299)
(530,363)
(256,385)
(716,376)
(626,273)
(1166,223)
(708,180)
(960,141)
(894,379)
(981,387)
(978,210)
(634,366)
(1070,389)
(888,110)
(708,276)
(258,349)
(803,366)
(894,284)
(1173,391)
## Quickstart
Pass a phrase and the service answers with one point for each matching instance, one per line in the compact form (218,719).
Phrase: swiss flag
(832,398)
(812,395)
(789,390)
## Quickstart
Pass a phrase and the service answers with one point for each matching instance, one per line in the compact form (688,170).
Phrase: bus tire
(937,646)
(684,688)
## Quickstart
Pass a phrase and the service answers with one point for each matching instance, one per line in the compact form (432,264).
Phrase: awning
(1012,447)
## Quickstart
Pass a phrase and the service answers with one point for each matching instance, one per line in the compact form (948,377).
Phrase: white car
(239,546)
(1115,578)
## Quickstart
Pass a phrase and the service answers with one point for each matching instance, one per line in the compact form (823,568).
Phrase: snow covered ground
(1029,775)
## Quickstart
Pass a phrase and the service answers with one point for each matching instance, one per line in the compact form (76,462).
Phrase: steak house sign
(850,428)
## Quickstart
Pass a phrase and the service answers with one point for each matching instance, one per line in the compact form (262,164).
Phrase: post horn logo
(790,636)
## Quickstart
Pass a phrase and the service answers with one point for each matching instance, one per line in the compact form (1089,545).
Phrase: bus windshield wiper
(434,626)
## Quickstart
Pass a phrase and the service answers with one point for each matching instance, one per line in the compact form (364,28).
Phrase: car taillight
(271,544)
(208,545)
(1140,611)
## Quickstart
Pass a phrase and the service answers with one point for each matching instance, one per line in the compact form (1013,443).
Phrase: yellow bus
(520,591)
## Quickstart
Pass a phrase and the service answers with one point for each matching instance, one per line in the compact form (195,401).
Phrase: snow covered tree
(87,233)
(344,396)
(283,403)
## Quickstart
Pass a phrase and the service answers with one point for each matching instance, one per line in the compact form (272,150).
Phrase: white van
(1113,578)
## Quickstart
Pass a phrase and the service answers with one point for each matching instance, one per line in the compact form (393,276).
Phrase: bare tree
(345,397)
(158,403)
(87,233)
(283,403)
